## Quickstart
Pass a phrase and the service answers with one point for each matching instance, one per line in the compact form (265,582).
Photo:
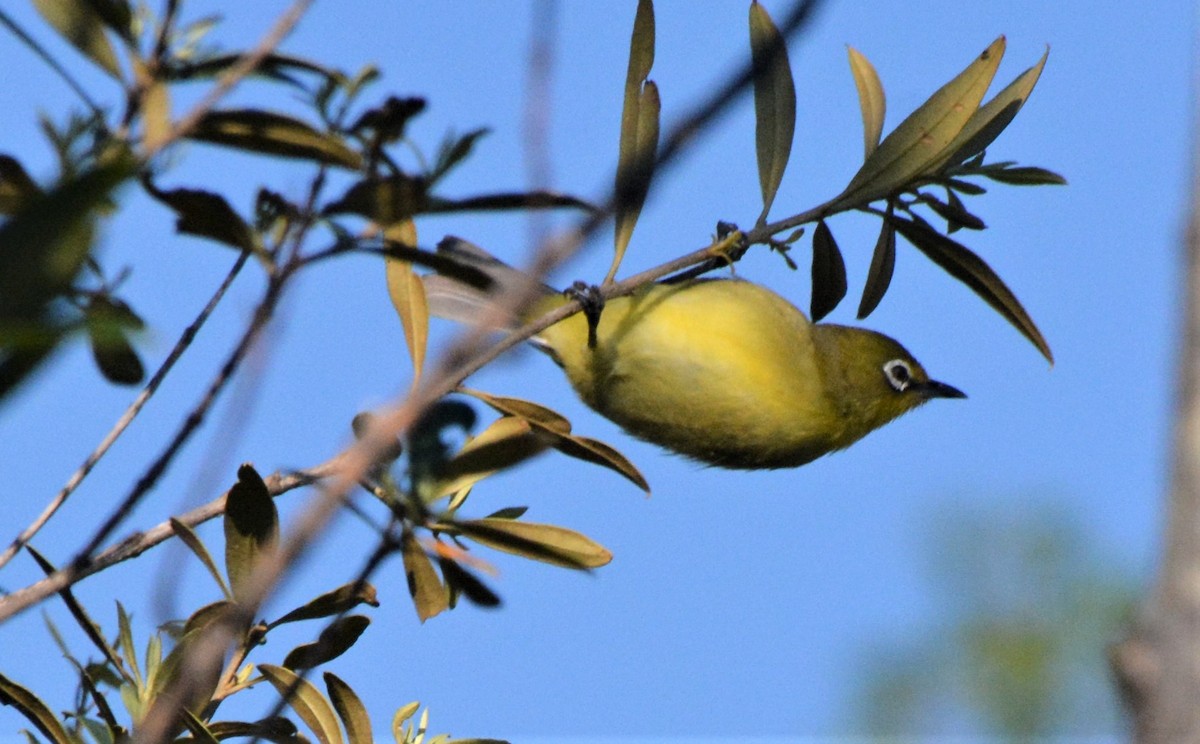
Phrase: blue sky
(737,603)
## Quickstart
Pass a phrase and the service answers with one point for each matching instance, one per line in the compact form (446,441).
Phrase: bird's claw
(592,302)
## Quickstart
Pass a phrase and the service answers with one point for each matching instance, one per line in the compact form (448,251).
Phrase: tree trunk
(1158,665)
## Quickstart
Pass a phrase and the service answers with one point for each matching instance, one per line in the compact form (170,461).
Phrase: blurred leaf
(828,273)
(106,321)
(271,133)
(345,597)
(117,16)
(1024,176)
(34,710)
(403,713)
(16,187)
(468,584)
(509,512)
(548,543)
(350,709)
(276,729)
(306,700)
(217,611)
(361,424)
(201,733)
(387,201)
(207,215)
(126,647)
(275,66)
(871,100)
(953,212)
(156,114)
(971,270)
(190,673)
(428,594)
(965,187)
(991,119)
(504,201)
(387,122)
(639,132)
(408,296)
(920,139)
(44,244)
(774,103)
(452,152)
(189,538)
(334,641)
(251,529)
(83,27)
(879,276)
(506,442)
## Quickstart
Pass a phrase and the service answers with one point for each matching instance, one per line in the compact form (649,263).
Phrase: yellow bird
(723,371)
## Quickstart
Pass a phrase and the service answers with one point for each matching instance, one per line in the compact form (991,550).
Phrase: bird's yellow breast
(721,370)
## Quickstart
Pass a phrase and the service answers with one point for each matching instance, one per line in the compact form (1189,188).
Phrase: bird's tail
(459,301)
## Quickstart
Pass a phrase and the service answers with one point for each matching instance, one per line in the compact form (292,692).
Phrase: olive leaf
(428,593)
(883,263)
(83,27)
(774,104)
(871,100)
(828,273)
(271,133)
(548,543)
(251,529)
(349,708)
(408,296)
(306,700)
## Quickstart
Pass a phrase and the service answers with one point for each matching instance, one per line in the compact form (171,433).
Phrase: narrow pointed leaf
(871,100)
(990,120)
(774,103)
(270,133)
(117,16)
(192,675)
(428,594)
(189,538)
(114,355)
(548,543)
(526,409)
(384,200)
(879,276)
(34,710)
(306,700)
(79,24)
(970,269)
(599,453)
(921,138)
(126,647)
(251,529)
(334,641)
(505,201)
(218,611)
(408,296)
(207,215)
(343,598)
(509,512)
(828,273)
(506,442)
(1025,176)
(468,584)
(201,733)
(350,709)
(156,114)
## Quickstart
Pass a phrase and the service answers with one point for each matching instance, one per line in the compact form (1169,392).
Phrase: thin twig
(246,65)
(185,340)
(41,52)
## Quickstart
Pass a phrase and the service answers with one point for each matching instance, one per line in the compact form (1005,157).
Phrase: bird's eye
(898,374)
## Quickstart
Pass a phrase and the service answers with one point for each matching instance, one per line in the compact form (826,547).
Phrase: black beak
(935,389)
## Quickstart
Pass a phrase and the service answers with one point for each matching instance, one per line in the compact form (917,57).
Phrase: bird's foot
(729,245)
(592,301)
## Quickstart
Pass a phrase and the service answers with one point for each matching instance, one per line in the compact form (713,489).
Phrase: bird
(723,371)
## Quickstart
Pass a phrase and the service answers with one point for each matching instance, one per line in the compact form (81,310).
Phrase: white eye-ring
(898,374)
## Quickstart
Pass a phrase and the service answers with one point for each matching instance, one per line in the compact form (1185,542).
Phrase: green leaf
(207,215)
(271,133)
(156,115)
(509,512)
(83,27)
(334,641)
(774,104)
(526,409)
(218,611)
(403,713)
(921,139)
(428,594)
(506,442)
(639,133)
(201,733)
(387,201)
(471,587)
(34,710)
(505,201)
(191,670)
(275,66)
(991,119)
(828,273)
(189,538)
(16,187)
(954,212)
(345,597)
(306,700)
(251,529)
(871,100)
(599,453)
(548,543)
(126,647)
(1024,176)
(44,244)
(106,320)
(276,729)
(350,709)
(879,276)
(452,152)
(408,296)
(117,16)
(971,270)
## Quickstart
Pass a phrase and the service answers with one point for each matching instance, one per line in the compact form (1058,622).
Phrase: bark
(1158,664)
